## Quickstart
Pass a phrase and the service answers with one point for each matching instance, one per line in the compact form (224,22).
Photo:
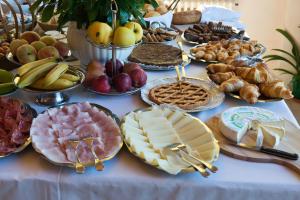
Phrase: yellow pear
(137,29)
(124,37)
(100,33)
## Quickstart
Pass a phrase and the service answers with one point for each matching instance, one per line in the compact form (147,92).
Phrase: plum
(122,82)
(101,84)
(94,70)
(109,67)
(138,77)
(128,67)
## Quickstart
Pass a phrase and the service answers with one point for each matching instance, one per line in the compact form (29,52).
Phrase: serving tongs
(199,164)
(173,5)
(79,166)
(185,61)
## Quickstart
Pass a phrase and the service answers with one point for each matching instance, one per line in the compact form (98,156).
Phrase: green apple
(123,37)
(137,29)
(100,33)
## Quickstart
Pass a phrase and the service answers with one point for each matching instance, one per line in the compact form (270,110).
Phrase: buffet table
(27,175)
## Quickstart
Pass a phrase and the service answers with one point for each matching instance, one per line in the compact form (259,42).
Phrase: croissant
(253,74)
(250,93)
(219,67)
(233,84)
(263,68)
(275,89)
(221,76)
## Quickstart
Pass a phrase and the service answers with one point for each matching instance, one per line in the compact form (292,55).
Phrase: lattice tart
(184,95)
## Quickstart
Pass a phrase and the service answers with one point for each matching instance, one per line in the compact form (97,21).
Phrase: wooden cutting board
(290,143)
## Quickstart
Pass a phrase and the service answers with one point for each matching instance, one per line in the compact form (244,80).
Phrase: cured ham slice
(67,126)
(15,122)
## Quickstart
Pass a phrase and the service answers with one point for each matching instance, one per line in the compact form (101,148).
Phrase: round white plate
(216,96)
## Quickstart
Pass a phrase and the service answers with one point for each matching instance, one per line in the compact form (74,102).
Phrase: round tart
(184,95)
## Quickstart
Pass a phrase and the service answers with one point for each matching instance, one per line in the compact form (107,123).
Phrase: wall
(262,17)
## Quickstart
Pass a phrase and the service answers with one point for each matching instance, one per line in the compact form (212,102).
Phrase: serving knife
(270,151)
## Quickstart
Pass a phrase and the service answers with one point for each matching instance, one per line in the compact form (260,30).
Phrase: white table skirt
(28,176)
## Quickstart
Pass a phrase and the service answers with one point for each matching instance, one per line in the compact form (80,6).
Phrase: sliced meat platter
(15,122)
(54,132)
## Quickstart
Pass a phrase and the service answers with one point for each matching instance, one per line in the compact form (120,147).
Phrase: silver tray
(256,56)
(114,92)
(11,58)
(261,99)
(28,140)
(235,30)
(158,68)
(55,97)
(216,96)
(70,164)
(131,150)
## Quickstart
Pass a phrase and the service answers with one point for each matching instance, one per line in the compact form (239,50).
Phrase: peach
(26,53)
(15,44)
(30,36)
(38,45)
(62,48)
(48,51)
(48,40)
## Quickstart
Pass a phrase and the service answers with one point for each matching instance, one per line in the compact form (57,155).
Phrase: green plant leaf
(277,57)
(35,5)
(285,52)
(47,12)
(295,49)
(285,71)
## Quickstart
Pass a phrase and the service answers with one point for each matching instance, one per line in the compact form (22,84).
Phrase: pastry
(156,54)
(220,77)
(250,93)
(234,84)
(158,35)
(205,32)
(184,95)
(226,51)
(275,89)
(220,67)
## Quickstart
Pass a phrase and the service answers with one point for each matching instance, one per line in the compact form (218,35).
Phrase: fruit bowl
(114,92)
(14,60)
(130,78)
(55,97)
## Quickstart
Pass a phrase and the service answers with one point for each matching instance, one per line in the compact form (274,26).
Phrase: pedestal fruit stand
(81,14)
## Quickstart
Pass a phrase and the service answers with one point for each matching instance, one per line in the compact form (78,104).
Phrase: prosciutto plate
(15,122)
(54,130)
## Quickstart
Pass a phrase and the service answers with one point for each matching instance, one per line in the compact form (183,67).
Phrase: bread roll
(186,17)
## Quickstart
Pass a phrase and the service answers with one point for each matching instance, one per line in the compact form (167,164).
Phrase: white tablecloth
(28,176)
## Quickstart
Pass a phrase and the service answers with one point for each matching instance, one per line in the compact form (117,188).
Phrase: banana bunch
(6,82)
(46,74)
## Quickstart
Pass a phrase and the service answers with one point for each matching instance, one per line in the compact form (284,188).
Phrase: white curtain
(184,5)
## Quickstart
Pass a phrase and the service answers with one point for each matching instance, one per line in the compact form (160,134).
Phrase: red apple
(62,48)
(128,67)
(122,82)
(109,67)
(94,70)
(101,84)
(138,77)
